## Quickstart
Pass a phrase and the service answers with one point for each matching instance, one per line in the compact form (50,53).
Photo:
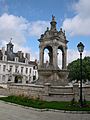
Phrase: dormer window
(4,57)
(16,59)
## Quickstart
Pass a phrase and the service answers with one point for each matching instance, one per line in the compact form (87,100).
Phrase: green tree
(74,68)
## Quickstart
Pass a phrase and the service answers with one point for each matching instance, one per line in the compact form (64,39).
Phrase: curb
(43,110)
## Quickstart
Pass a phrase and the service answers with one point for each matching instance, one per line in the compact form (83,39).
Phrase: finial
(53,24)
(11,40)
(64,32)
(53,17)
(61,29)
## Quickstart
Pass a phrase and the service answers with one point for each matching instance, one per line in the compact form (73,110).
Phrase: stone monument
(53,40)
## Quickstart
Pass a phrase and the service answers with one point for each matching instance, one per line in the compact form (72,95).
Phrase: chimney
(3,50)
(27,55)
(20,54)
(35,60)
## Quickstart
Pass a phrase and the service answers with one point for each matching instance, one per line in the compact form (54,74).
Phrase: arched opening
(48,56)
(60,57)
(18,79)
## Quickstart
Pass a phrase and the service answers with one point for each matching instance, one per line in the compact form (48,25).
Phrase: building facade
(16,67)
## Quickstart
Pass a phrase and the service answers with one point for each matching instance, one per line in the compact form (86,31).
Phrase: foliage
(74,68)
(45,104)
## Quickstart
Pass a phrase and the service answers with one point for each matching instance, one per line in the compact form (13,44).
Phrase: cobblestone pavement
(12,112)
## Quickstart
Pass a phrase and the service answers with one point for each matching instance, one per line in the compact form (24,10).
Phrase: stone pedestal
(55,77)
(76,91)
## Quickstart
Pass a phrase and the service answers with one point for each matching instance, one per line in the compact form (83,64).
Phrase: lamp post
(80,47)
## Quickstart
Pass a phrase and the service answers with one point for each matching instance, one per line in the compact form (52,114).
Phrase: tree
(74,68)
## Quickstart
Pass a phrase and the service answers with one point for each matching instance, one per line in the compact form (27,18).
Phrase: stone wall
(46,92)
(86,92)
(58,93)
(3,92)
(31,91)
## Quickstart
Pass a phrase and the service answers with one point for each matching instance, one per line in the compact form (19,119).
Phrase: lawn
(69,106)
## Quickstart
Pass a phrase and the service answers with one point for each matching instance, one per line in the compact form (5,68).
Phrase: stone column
(50,58)
(47,88)
(64,59)
(41,57)
(55,57)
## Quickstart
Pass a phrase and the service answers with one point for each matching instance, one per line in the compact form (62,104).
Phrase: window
(21,69)
(0,67)
(4,68)
(29,78)
(34,77)
(35,73)
(30,70)
(3,78)
(33,67)
(16,69)
(10,68)
(10,78)
(26,70)
(4,58)
(0,77)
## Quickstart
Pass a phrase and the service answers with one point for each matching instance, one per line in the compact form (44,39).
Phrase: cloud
(13,26)
(74,55)
(82,8)
(20,29)
(38,27)
(80,23)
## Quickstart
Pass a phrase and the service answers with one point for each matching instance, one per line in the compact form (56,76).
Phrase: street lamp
(80,47)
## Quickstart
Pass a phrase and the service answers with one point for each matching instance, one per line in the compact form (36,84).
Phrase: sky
(25,20)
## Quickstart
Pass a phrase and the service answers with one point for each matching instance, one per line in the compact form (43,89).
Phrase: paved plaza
(12,112)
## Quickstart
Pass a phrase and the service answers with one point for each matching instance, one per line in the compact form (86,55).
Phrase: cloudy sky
(26,20)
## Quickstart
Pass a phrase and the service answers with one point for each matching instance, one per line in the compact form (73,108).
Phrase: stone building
(53,40)
(16,67)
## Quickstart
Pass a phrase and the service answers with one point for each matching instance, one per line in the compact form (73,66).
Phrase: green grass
(45,104)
